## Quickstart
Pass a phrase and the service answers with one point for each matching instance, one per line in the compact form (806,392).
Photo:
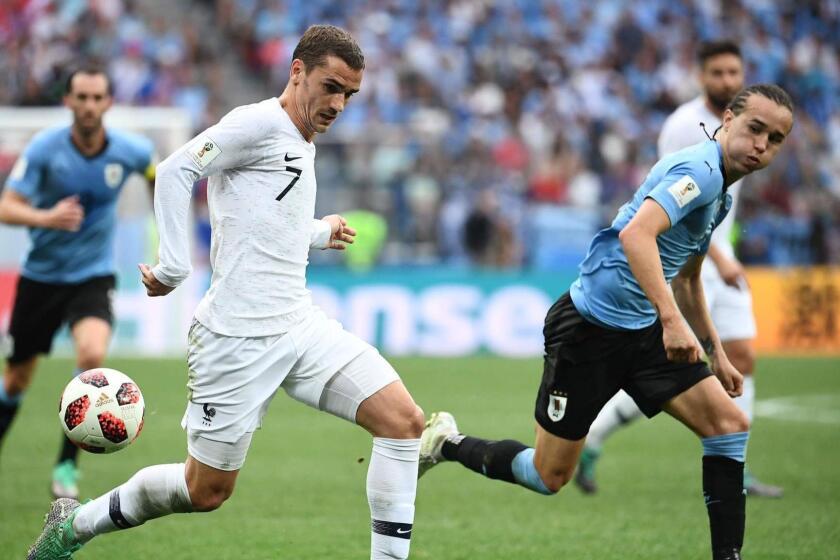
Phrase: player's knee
(409,423)
(210,500)
(90,356)
(404,421)
(556,480)
(741,423)
(209,497)
(733,422)
(416,422)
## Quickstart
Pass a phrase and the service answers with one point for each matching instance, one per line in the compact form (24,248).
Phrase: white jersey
(682,129)
(261,195)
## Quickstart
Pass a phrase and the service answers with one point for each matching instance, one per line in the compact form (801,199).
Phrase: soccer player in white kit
(256,329)
(727,293)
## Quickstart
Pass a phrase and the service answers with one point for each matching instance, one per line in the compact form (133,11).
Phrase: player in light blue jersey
(627,324)
(64,188)
(689,188)
(724,285)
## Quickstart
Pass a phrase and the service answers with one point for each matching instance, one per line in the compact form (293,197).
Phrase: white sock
(152,492)
(391,488)
(747,399)
(619,410)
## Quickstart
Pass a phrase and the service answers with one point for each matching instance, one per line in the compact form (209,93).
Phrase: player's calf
(507,460)
(16,378)
(396,423)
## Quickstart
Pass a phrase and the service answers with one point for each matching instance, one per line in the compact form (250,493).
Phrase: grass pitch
(301,494)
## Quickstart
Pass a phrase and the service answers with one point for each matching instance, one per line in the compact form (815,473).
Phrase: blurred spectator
(153,60)
(488,237)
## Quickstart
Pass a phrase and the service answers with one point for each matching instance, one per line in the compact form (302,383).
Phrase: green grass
(301,494)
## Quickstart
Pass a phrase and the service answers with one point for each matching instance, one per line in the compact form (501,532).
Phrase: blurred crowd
(154,59)
(500,133)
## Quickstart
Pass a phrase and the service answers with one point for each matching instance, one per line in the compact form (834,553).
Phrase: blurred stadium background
(489,142)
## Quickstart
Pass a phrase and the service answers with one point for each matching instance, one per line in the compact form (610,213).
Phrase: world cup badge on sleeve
(557,406)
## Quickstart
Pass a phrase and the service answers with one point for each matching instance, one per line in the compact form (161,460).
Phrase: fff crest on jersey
(557,406)
(113,175)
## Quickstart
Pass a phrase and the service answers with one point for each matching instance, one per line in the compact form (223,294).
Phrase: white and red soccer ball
(101,410)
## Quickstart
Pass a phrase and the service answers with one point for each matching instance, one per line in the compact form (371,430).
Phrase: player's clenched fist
(67,214)
(154,287)
(731,379)
(680,343)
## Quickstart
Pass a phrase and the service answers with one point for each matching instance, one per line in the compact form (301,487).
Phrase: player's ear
(728,116)
(297,71)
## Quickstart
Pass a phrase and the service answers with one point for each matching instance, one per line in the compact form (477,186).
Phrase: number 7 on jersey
(295,179)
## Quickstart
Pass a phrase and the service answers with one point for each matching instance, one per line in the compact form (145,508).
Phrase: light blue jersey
(52,168)
(688,185)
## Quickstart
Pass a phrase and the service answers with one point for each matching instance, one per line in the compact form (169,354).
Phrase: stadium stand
(530,119)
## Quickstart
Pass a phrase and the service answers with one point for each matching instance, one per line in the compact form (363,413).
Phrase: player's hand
(67,215)
(154,287)
(341,234)
(732,272)
(680,343)
(729,377)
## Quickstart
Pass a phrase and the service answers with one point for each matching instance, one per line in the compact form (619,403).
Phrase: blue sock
(733,446)
(526,473)
(5,398)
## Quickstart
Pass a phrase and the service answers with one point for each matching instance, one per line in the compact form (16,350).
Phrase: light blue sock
(77,371)
(526,473)
(5,398)
(733,446)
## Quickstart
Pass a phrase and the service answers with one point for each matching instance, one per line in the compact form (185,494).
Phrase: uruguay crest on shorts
(557,406)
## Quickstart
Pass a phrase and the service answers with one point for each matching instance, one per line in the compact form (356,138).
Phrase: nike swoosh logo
(287,158)
(401,532)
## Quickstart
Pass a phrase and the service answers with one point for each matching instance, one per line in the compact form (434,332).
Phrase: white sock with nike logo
(391,488)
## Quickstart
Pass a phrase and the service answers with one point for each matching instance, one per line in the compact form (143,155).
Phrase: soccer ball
(101,410)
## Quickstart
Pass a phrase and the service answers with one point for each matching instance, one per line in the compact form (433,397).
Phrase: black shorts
(40,309)
(585,365)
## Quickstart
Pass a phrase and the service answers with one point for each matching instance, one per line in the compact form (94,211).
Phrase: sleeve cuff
(320,237)
(166,279)
(669,210)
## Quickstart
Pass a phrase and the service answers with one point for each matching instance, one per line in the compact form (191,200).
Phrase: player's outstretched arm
(638,239)
(15,209)
(688,293)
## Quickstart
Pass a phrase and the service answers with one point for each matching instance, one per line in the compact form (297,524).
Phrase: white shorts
(232,381)
(730,307)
